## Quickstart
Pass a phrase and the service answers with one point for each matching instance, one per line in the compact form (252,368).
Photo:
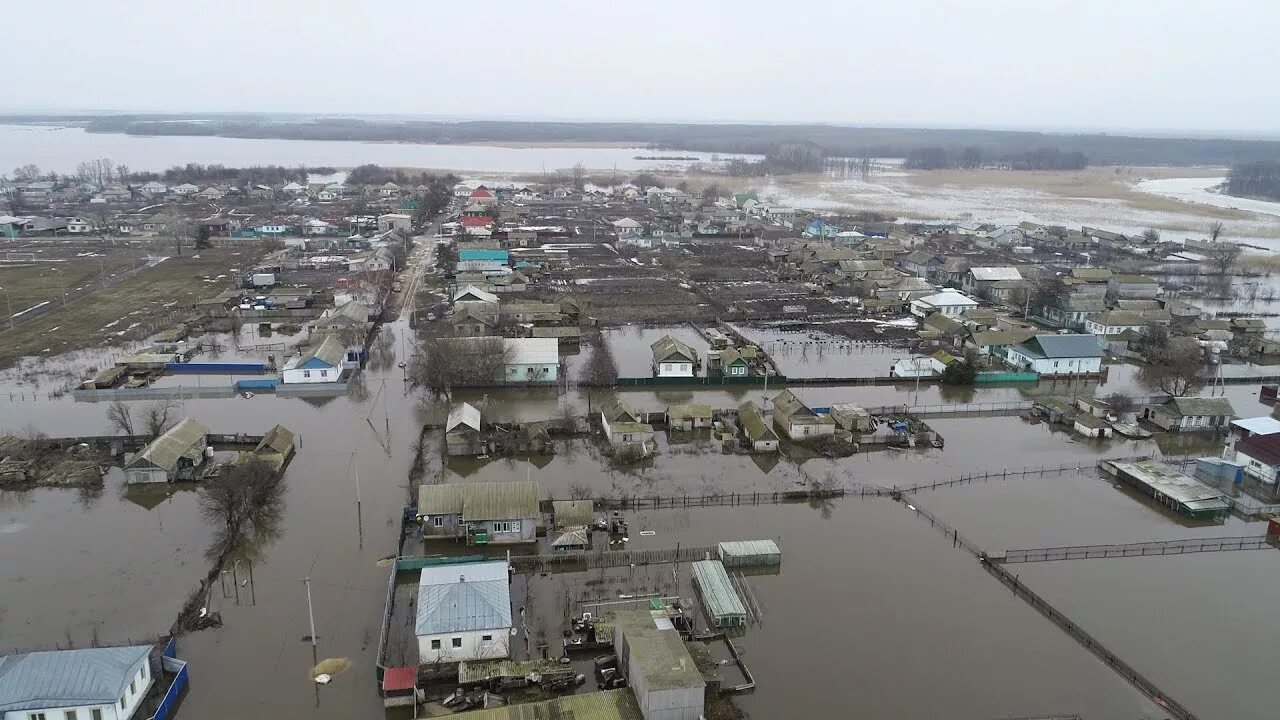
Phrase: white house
(389,189)
(532,359)
(797,421)
(464,612)
(316,227)
(154,188)
(1072,354)
(292,188)
(626,227)
(621,426)
(105,683)
(948,302)
(185,189)
(1114,322)
(79,225)
(321,364)
(394,221)
(672,358)
(1260,456)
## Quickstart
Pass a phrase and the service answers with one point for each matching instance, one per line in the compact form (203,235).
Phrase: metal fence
(991,408)
(654,502)
(1141,549)
(608,559)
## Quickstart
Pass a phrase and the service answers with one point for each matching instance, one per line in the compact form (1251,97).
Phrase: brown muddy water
(920,630)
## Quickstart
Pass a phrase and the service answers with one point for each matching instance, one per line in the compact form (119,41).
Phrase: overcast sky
(1113,64)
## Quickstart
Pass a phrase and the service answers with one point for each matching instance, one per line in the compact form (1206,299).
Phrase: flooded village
(378,442)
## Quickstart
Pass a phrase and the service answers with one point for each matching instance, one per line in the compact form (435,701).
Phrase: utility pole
(355,465)
(311,616)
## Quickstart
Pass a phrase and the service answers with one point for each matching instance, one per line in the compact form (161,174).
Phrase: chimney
(462,578)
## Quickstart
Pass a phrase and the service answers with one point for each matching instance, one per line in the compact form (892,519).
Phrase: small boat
(1130,430)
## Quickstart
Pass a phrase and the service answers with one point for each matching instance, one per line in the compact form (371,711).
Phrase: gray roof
(786,404)
(718,594)
(181,440)
(64,678)
(466,415)
(753,423)
(329,350)
(572,513)
(458,598)
(481,501)
(278,439)
(1062,346)
(667,347)
(1195,406)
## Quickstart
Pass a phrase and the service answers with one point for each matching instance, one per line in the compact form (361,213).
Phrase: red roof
(401,678)
(477,221)
(1263,448)
(481,192)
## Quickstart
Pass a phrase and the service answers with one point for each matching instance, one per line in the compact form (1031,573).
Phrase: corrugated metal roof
(1196,406)
(278,439)
(329,351)
(63,678)
(1067,346)
(689,410)
(481,501)
(718,594)
(572,513)
(459,598)
(1264,425)
(533,351)
(667,347)
(466,415)
(181,440)
(995,274)
(786,404)
(750,552)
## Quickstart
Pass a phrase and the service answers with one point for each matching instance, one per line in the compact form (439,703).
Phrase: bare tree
(567,418)
(579,490)
(120,418)
(1151,235)
(600,370)
(578,177)
(159,416)
(1120,403)
(443,363)
(1215,231)
(1223,256)
(1175,371)
(180,230)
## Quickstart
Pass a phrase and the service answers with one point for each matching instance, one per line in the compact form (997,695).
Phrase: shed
(277,446)
(742,553)
(849,416)
(762,437)
(688,416)
(719,598)
(572,513)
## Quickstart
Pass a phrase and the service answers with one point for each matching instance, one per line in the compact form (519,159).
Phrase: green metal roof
(480,501)
(718,594)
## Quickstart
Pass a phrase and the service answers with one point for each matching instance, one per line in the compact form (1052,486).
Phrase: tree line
(1101,149)
(1255,179)
(972,156)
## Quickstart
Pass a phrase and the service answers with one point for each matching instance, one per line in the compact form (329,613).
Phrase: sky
(1177,65)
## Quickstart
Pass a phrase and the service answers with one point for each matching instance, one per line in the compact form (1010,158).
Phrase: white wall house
(672,358)
(79,225)
(322,364)
(1072,354)
(464,612)
(90,684)
(949,303)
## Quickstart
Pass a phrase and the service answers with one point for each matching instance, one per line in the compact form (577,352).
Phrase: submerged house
(1189,414)
(797,421)
(1073,354)
(323,363)
(464,612)
(689,416)
(621,425)
(174,455)
(756,429)
(89,683)
(276,447)
(481,513)
(672,358)
(462,431)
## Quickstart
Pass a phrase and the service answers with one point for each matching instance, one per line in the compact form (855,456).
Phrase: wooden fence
(607,559)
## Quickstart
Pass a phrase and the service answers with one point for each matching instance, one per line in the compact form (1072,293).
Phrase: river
(1201,190)
(60,149)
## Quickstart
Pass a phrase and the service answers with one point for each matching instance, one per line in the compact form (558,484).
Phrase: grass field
(31,283)
(146,303)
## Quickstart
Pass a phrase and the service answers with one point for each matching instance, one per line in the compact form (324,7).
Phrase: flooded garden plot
(633,352)
(86,566)
(918,629)
(1197,624)
(810,352)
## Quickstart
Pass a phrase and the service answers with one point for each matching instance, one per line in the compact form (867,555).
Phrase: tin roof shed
(719,598)
(741,553)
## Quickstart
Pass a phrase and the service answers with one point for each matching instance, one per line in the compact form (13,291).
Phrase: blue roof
(458,598)
(64,678)
(483,255)
(1081,345)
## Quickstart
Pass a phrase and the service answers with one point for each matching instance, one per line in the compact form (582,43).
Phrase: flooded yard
(633,353)
(814,353)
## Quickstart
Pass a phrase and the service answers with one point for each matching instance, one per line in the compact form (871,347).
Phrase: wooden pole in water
(310,614)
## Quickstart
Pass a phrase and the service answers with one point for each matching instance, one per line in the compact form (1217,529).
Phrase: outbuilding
(720,600)
(756,429)
(173,455)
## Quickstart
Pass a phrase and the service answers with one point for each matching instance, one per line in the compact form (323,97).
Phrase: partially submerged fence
(1140,549)
(654,502)
(607,559)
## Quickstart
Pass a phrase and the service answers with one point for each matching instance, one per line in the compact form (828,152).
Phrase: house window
(69,715)
(121,702)
(306,373)
(502,527)
(95,714)
(486,638)
(435,644)
(438,521)
(143,672)
(324,373)
(36,716)
(457,642)
(133,687)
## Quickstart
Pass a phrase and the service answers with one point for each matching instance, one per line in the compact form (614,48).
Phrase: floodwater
(61,148)
(813,353)
(633,352)
(923,632)
(1201,190)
